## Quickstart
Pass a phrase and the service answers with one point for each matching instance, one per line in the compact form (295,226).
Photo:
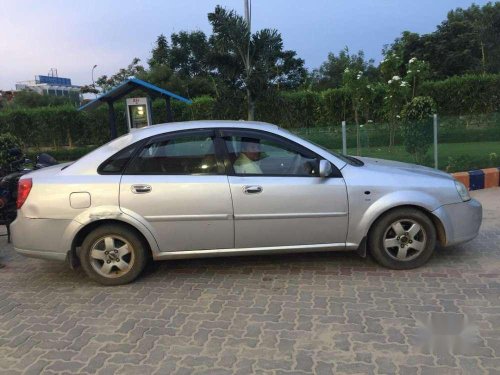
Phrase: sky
(75,35)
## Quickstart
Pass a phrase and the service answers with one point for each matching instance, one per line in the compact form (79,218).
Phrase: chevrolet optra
(219,188)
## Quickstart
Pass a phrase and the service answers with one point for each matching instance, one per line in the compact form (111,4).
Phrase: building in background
(51,84)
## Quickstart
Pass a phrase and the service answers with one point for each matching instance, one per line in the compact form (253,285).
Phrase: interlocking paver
(288,314)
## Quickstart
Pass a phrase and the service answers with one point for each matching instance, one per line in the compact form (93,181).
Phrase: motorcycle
(8,183)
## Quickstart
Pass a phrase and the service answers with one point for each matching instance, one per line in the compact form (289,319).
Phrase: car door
(279,199)
(177,182)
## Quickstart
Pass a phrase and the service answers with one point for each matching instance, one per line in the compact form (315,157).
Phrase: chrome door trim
(303,215)
(252,189)
(141,188)
(251,251)
(188,217)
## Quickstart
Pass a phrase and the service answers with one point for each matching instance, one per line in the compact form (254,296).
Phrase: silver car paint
(337,218)
(186,212)
(318,214)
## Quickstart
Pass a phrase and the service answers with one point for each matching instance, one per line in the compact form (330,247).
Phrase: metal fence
(451,143)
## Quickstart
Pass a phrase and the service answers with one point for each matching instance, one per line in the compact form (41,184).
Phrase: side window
(116,164)
(254,154)
(177,155)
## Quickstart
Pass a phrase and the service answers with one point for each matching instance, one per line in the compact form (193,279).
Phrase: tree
(31,99)
(397,91)
(468,41)
(189,52)
(330,73)
(417,126)
(255,63)
(133,69)
(182,66)
(7,142)
(357,85)
(416,72)
(160,54)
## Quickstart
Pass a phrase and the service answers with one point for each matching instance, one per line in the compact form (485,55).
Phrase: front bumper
(461,221)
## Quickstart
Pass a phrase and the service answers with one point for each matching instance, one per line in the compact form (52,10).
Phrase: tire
(113,254)
(402,239)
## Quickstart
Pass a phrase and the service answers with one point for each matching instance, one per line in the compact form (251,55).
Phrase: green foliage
(299,109)
(133,69)
(161,53)
(255,63)
(7,142)
(202,108)
(468,94)
(30,99)
(335,106)
(62,154)
(468,41)
(330,73)
(417,130)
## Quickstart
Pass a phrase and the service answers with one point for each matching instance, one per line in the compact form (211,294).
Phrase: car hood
(390,166)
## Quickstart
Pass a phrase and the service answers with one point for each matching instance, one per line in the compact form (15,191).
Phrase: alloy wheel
(112,256)
(404,240)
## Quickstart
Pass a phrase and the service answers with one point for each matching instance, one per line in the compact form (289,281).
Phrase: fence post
(344,139)
(435,141)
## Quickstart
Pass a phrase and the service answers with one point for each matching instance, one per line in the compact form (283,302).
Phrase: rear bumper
(461,221)
(49,255)
(42,238)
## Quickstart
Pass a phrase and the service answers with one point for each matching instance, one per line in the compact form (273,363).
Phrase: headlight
(462,191)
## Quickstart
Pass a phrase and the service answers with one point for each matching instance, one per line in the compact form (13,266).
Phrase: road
(288,314)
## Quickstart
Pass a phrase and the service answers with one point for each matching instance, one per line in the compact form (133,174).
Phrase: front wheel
(113,255)
(403,238)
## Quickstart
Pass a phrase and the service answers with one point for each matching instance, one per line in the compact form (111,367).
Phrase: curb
(479,178)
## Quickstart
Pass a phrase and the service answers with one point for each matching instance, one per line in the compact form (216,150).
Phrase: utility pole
(248,13)
(93,83)
(248,19)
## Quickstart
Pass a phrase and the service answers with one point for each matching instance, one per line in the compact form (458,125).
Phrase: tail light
(23,190)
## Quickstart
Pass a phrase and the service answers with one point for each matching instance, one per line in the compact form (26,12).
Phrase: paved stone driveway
(300,314)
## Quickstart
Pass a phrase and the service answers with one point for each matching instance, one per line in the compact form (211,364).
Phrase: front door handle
(141,189)
(252,189)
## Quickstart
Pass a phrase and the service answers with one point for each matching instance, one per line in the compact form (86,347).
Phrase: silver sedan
(216,188)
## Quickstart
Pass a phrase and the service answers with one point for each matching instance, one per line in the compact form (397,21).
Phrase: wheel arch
(440,231)
(92,225)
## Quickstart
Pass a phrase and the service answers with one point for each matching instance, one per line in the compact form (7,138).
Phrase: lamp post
(93,83)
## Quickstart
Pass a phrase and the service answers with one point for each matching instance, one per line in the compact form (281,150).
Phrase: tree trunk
(391,135)
(251,106)
(70,140)
(483,57)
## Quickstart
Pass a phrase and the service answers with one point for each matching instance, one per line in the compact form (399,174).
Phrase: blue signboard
(59,81)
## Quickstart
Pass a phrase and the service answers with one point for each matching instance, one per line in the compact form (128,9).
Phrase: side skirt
(254,251)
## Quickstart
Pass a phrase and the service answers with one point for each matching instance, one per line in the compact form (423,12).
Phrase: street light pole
(93,83)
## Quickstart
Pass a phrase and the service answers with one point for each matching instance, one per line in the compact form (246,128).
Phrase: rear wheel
(403,238)
(113,255)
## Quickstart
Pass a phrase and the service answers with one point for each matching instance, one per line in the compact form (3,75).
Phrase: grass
(464,156)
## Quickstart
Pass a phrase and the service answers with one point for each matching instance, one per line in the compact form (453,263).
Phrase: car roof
(185,125)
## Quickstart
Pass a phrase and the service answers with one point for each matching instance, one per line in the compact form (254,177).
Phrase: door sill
(253,251)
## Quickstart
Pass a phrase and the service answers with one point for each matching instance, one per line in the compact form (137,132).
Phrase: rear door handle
(252,189)
(141,189)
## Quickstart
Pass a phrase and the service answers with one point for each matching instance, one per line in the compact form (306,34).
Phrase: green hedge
(472,100)
(462,95)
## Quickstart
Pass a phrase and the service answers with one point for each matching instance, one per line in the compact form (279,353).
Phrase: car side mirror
(325,168)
